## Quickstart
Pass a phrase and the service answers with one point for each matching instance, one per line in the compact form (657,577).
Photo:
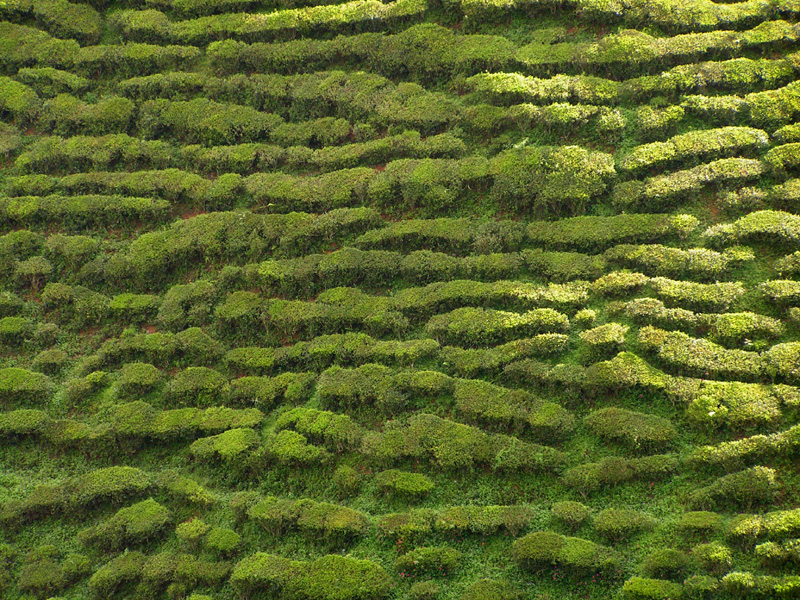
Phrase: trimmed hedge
(338,432)
(24,46)
(544,549)
(152,25)
(455,236)
(321,352)
(550,180)
(601,232)
(620,523)
(485,327)
(269,391)
(707,143)
(745,450)
(404,484)
(319,519)
(661,190)
(226,446)
(756,486)
(631,50)
(713,297)
(22,387)
(81,212)
(635,429)
(612,470)
(699,357)
(470,362)
(331,577)
(497,406)
(112,484)
(162,349)
(674,262)
(233,237)
(641,588)
(428,560)
(452,445)
(134,525)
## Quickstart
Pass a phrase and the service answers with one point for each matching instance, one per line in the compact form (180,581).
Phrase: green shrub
(223,541)
(550,180)
(134,525)
(545,549)
(424,590)
(454,446)
(195,386)
(604,339)
(752,487)
(337,431)
(640,588)
(429,560)
(732,402)
(401,483)
(482,327)
(18,101)
(697,356)
(666,564)
(192,532)
(633,428)
(775,554)
(27,47)
(10,304)
(483,520)
(346,481)
(48,82)
(491,589)
(572,514)
(227,446)
(619,523)
(715,558)
(118,572)
(498,406)
(15,330)
(331,577)
(19,386)
(266,392)
(699,523)
(137,379)
(292,448)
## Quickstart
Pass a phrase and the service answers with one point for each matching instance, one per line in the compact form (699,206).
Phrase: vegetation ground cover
(411,299)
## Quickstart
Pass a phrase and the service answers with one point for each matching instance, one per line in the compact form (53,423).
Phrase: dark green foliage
(483,327)
(752,487)
(666,564)
(136,524)
(639,588)
(632,428)
(429,560)
(268,391)
(572,514)
(451,445)
(545,549)
(491,589)
(319,519)
(617,524)
(19,386)
(195,386)
(112,484)
(403,484)
(137,379)
(331,577)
